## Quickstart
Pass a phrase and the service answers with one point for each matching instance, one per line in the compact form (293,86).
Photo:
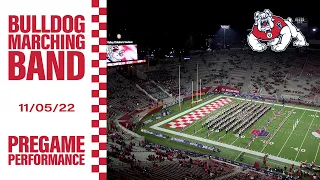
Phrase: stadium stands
(123,96)
(159,162)
(285,75)
(166,76)
(247,175)
(175,170)
(153,90)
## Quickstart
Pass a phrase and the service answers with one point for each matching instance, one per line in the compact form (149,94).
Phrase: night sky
(184,17)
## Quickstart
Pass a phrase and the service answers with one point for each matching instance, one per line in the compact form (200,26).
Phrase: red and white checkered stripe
(99,88)
(198,114)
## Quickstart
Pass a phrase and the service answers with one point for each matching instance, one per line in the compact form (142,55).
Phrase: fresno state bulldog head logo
(117,53)
(316,133)
(275,32)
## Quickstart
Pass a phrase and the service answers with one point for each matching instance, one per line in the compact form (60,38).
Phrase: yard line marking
(316,153)
(290,134)
(234,141)
(274,134)
(223,136)
(238,156)
(305,136)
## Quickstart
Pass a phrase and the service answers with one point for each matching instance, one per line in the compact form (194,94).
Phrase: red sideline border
(99,92)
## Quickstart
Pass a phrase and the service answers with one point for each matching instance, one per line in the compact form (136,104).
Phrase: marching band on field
(236,118)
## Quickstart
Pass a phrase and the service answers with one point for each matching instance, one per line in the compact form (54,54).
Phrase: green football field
(285,145)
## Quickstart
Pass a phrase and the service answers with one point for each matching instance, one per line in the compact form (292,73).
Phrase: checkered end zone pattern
(186,120)
(99,89)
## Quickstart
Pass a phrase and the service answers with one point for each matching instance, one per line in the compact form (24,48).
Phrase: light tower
(224,27)
(314,30)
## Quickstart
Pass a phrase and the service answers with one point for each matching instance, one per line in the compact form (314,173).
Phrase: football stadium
(262,128)
(223,111)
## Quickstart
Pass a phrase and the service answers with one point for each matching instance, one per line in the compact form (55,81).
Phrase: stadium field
(288,134)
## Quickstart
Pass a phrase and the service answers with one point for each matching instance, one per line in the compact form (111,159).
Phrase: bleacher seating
(123,96)
(171,169)
(248,175)
(278,75)
(153,90)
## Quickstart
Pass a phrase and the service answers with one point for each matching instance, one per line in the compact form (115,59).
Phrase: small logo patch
(259,132)
(269,35)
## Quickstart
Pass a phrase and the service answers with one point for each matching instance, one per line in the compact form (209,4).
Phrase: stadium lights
(224,27)
(314,32)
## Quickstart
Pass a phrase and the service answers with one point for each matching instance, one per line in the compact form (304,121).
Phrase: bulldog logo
(275,31)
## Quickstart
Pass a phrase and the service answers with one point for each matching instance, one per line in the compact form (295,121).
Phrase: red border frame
(99,93)
(126,62)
